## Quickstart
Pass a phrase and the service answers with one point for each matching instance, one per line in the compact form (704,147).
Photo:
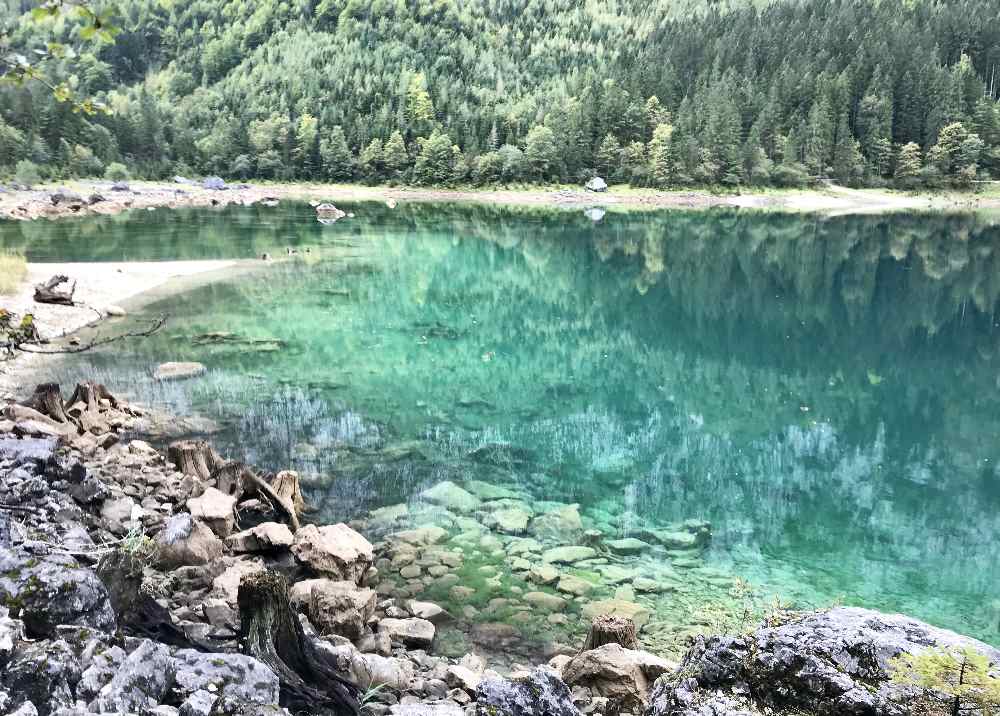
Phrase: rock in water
(827,663)
(178,371)
(52,590)
(450,496)
(597,184)
(540,693)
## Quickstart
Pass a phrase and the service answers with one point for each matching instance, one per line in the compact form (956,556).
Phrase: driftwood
(610,629)
(271,632)
(49,292)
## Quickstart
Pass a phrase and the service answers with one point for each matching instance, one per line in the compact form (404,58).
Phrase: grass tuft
(13,269)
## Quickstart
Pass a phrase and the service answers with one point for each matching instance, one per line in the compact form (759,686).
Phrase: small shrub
(952,681)
(116,172)
(27,173)
(13,269)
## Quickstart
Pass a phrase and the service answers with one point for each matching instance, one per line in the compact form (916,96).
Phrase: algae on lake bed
(821,391)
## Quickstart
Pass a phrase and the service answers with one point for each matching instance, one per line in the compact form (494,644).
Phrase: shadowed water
(824,391)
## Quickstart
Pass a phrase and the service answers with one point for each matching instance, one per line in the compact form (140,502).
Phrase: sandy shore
(26,205)
(100,287)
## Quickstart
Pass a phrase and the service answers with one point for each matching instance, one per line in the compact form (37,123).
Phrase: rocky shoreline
(122,569)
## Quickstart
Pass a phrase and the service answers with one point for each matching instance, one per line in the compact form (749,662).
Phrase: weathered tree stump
(610,629)
(49,292)
(195,458)
(271,631)
(91,394)
(251,483)
(47,400)
(286,486)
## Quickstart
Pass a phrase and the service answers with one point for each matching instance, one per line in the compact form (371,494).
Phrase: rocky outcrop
(623,676)
(828,663)
(333,551)
(48,590)
(540,693)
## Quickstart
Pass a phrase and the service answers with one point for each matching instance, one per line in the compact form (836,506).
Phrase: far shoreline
(832,200)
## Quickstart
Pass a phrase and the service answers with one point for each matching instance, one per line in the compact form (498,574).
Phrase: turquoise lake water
(824,391)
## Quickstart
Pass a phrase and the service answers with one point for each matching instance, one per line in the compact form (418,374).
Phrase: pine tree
(436,160)
(370,160)
(338,161)
(306,135)
(662,162)
(908,164)
(540,151)
(419,108)
(394,155)
(609,157)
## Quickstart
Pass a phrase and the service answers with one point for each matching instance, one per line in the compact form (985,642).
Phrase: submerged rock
(178,370)
(826,663)
(450,496)
(568,555)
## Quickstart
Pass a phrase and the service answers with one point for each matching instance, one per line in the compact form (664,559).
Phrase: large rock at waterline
(597,184)
(622,675)
(265,537)
(827,663)
(562,525)
(568,555)
(413,633)
(49,590)
(186,541)
(213,183)
(334,551)
(540,693)
(340,608)
(214,508)
(178,371)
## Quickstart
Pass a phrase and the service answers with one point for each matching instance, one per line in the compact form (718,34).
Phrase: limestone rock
(232,676)
(227,585)
(543,574)
(265,537)
(623,675)
(421,535)
(539,693)
(185,541)
(334,551)
(141,682)
(628,547)
(51,590)
(341,608)
(11,632)
(215,509)
(824,663)
(597,184)
(413,633)
(429,611)
(178,371)
(450,496)
(43,674)
(574,585)
(544,601)
(512,521)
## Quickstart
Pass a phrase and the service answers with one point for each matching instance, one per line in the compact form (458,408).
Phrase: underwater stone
(619,608)
(449,495)
(628,546)
(574,585)
(568,555)
(513,521)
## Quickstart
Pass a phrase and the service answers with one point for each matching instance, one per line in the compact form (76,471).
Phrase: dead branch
(156,325)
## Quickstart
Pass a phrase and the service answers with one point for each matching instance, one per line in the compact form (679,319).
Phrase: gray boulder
(50,590)
(185,541)
(597,184)
(120,186)
(141,682)
(540,693)
(213,183)
(825,663)
(62,195)
(231,676)
(43,673)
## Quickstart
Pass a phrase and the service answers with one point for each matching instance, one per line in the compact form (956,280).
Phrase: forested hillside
(653,92)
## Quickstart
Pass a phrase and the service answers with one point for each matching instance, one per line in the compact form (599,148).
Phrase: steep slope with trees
(489,91)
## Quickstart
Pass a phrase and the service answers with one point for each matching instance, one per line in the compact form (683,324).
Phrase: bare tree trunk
(49,292)
(271,631)
(610,629)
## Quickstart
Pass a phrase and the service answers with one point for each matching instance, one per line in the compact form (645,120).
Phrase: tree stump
(286,486)
(91,394)
(195,458)
(49,292)
(270,631)
(234,477)
(47,400)
(610,629)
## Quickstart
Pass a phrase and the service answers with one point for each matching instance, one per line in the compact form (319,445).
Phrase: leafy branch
(22,336)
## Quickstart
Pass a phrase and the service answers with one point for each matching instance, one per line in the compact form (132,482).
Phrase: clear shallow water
(823,391)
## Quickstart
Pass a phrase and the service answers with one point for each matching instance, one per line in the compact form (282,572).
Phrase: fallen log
(271,632)
(611,629)
(49,292)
